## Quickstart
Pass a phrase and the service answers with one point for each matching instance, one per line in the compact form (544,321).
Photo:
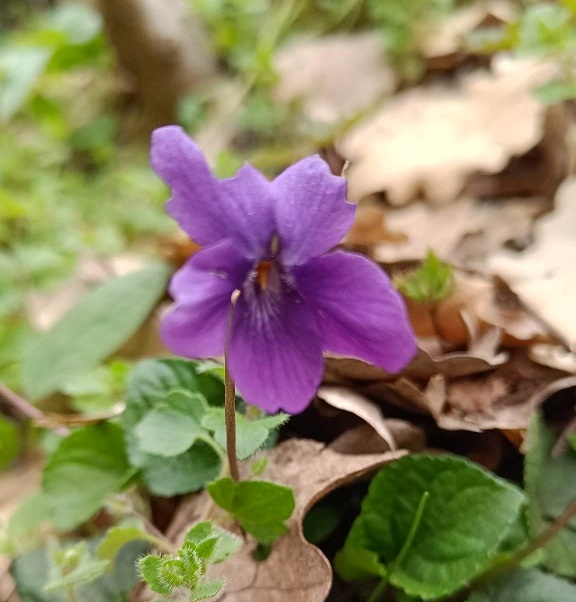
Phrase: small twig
(27,409)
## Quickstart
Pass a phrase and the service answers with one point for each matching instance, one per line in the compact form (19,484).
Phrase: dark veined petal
(275,355)
(312,213)
(359,314)
(211,210)
(202,288)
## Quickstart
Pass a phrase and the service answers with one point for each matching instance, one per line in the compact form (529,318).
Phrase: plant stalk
(230,418)
(230,400)
(379,590)
(538,542)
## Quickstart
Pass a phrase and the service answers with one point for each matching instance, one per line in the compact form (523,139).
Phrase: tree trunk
(162,54)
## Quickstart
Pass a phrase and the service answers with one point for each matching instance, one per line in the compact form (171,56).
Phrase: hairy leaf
(93,329)
(86,466)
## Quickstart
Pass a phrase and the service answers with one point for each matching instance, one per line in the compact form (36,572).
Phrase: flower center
(263,274)
(267,273)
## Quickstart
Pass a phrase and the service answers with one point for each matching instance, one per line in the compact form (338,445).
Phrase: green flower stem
(71,594)
(379,590)
(535,544)
(412,533)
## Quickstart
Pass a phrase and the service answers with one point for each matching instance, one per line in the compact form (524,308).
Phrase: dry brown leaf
(370,228)
(543,276)
(462,233)
(504,399)
(342,371)
(448,36)
(554,356)
(364,439)
(428,140)
(322,72)
(295,571)
(350,401)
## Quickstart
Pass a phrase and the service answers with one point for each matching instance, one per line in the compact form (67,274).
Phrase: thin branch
(24,407)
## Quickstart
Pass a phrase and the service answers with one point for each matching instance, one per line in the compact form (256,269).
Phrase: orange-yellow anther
(262,273)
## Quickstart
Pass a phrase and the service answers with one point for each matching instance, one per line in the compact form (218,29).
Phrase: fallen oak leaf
(429,140)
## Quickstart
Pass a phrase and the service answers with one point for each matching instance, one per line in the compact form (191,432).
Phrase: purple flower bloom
(272,242)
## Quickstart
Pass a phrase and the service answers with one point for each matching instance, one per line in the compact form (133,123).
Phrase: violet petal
(196,326)
(311,212)
(275,356)
(359,314)
(211,210)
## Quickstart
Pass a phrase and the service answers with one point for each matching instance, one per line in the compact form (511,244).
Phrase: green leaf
(9,442)
(227,543)
(24,529)
(86,572)
(555,91)
(93,329)
(206,590)
(550,483)
(33,570)
(353,563)
(544,27)
(467,515)
(87,466)
(20,68)
(117,537)
(174,383)
(431,282)
(165,432)
(526,585)
(250,434)
(261,507)
(187,472)
(323,519)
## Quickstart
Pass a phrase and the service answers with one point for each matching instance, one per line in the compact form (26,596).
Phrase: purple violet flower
(272,242)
